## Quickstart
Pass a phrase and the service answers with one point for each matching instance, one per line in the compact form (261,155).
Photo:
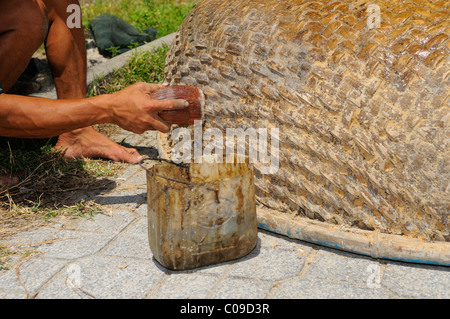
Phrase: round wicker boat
(359,93)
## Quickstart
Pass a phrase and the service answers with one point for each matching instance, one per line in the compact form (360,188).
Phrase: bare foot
(87,142)
(8,181)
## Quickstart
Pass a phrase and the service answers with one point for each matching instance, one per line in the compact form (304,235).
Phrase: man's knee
(38,12)
(28,18)
(23,29)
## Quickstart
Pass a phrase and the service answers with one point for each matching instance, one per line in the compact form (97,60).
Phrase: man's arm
(34,117)
(131,108)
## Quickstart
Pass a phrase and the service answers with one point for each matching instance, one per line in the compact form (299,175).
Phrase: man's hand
(134,110)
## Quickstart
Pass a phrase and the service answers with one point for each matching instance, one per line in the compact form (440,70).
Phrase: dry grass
(53,188)
(50,186)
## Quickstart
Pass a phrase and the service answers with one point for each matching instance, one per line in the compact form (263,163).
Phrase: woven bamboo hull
(362,111)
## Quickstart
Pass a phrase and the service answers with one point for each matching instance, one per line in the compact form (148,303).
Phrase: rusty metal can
(201,214)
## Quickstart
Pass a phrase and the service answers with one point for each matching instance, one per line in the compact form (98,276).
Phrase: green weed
(144,66)
(4,255)
(164,15)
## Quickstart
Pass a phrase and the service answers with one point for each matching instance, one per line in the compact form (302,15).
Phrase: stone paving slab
(302,288)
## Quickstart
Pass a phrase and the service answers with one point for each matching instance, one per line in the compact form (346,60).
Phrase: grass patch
(164,15)
(4,256)
(144,66)
(49,184)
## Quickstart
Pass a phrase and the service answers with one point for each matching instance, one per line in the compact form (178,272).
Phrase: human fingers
(160,124)
(150,87)
(134,157)
(127,155)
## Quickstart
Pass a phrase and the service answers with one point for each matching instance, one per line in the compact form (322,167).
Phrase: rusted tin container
(200,214)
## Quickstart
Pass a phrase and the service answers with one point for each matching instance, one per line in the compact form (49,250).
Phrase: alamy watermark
(374,18)
(73,276)
(74,19)
(374,277)
(208,146)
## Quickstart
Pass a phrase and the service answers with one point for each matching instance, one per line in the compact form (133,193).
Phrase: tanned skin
(24,26)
